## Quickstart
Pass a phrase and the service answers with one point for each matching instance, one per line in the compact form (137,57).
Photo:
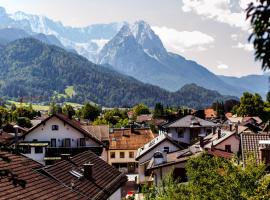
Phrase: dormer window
(55,127)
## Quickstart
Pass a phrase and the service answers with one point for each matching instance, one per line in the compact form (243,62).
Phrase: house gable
(44,132)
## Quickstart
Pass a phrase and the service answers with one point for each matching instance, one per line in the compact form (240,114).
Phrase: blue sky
(212,32)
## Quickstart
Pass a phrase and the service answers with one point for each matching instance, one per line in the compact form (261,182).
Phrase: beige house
(123,147)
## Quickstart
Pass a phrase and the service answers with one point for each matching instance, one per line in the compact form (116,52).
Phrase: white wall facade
(234,141)
(147,157)
(172,132)
(162,172)
(45,133)
(116,195)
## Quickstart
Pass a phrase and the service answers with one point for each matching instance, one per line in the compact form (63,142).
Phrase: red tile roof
(210,113)
(250,144)
(106,179)
(126,139)
(37,186)
(220,153)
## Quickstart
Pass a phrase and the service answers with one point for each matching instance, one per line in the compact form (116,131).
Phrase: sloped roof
(106,179)
(210,113)
(155,142)
(250,144)
(215,140)
(144,118)
(37,186)
(128,139)
(101,132)
(190,121)
(74,124)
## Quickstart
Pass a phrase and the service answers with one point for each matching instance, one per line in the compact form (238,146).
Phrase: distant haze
(212,32)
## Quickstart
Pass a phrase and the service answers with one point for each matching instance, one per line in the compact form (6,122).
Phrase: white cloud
(181,41)
(219,10)
(246,46)
(222,66)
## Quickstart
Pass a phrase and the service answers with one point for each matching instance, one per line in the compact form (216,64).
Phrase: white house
(162,143)
(58,136)
(189,128)
(223,144)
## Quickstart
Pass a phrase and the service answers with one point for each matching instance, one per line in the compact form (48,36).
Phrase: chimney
(219,133)
(236,128)
(230,125)
(88,171)
(16,135)
(201,142)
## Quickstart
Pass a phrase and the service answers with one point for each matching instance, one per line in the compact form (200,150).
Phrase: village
(89,159)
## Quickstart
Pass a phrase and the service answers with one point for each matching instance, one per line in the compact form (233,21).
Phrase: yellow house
(124,144)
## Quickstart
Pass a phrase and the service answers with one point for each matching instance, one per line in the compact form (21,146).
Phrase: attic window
(166,149)
(55,127)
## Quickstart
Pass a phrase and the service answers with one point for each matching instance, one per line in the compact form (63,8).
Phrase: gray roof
(190,121)
(153,143)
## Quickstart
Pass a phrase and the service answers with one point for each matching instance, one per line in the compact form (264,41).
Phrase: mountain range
(29,67)
(131,49)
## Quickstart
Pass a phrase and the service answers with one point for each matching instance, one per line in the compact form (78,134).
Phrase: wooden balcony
(57,151)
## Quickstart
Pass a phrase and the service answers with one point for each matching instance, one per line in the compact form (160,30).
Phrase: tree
(259,15)
(68,110)
(141,109)
(24,122)
(250,105)
(212,178)
(90,112)
(158,111)
(268,97)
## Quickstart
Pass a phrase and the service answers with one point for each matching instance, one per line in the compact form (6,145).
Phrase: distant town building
(188,129)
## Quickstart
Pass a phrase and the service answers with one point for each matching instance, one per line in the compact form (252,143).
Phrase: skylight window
(76,174)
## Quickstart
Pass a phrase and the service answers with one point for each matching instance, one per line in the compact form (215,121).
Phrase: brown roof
(144,118)
(220,153)
(101,132)
(6,138)
(250,144)
(75,124)
(209,113)
(106,179)
(130,139)
(37,186)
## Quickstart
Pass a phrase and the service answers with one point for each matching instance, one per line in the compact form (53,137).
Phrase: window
(166,149)
(53,142)
(208,131)
(131,154)
(55,127)
(67,142)
(228,148)
(180,132)
(25,149)
(122,154)
(38,149)
(112,155)
(82,142)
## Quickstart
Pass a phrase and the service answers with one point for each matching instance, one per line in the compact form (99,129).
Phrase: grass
(35,106)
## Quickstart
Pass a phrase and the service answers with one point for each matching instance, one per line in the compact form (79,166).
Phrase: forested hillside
(29,67)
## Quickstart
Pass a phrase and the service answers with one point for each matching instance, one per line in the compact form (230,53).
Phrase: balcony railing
(57,151)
